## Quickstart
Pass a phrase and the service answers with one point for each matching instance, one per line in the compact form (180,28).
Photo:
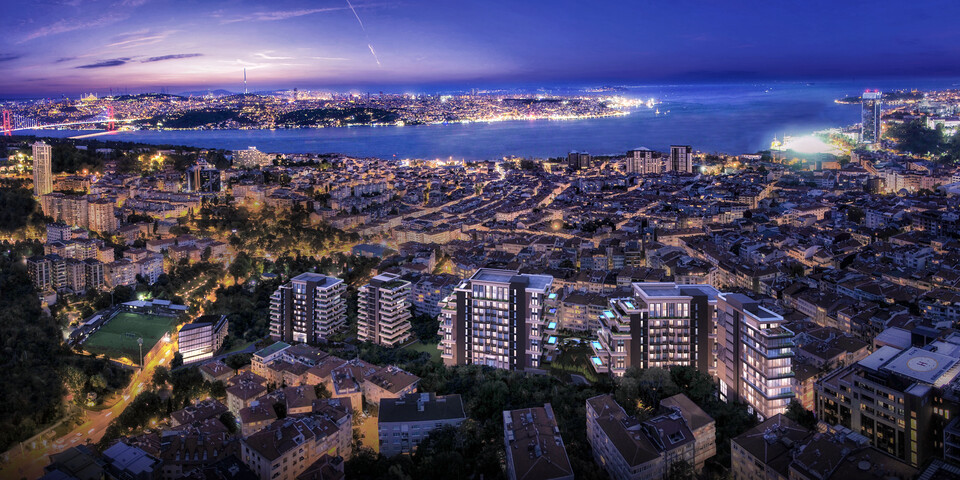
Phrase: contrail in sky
(374,52)
(369,45)
(355,15)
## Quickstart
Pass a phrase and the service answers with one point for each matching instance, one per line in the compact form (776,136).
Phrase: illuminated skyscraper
(870,116)
(42,169)
(681,159)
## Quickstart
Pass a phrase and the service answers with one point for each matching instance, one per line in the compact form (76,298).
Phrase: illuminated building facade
(871,103)
(42,168)
(754,355)
(384,310)
(308,309)
(662,325)
(496,318)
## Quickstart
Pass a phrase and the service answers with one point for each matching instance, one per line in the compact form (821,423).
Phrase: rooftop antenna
(244,80)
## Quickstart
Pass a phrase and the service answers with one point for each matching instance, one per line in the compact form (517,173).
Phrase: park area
(118,338)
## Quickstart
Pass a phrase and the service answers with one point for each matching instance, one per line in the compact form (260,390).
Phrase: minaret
(244,80)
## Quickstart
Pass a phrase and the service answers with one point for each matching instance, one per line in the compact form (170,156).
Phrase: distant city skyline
(72,46)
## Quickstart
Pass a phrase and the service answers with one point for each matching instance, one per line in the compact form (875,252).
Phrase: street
(30,463)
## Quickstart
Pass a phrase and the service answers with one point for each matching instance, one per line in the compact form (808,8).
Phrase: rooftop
(672,290)
(924,366)
(421,407)
(535,448)
(272,349)
(322,281)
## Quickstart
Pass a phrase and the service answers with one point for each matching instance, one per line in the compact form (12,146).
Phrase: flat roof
(421,407)
(538,282)
(319,279)
(270,350)
(494,275)
(876,359)
(925,366)
(672,290)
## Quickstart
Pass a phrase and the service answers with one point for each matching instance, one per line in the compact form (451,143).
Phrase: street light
(140,342)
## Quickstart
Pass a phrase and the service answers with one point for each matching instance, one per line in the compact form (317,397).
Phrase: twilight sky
(71,46)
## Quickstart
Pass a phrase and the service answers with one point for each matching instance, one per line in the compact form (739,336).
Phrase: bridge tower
(7,127)
(110,124)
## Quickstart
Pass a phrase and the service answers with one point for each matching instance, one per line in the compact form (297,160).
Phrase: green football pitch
(118,338)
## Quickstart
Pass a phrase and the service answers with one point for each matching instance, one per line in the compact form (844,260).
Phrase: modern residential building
(43,272)
(578,160)
(496,318)
(643,160)
(681,159)
(42,168)
(404,422)
(581,311)
(101,215)
(661,325)
(203,177)
(251,158)
(309,308)
(900,399)
(629,449)
(428,293)
(202,338)
(754,355)
(871,106)
(781,449)
(384,310)
(533,445)
(87,211)
(951,441)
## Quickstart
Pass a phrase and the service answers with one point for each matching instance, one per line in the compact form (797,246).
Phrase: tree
(680,470)
(696,385)
(98,383)
(229,421)
(177,360)
(75,379)
(241,266)
(655,385)
(161,376)
(321,391)
(426,328)
(239,360)
(804,417)
(855,214)
(218,389)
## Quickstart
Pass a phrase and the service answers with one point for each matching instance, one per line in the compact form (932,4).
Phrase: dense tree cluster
(915,137)
(20,215)
(475,449)
(31,387)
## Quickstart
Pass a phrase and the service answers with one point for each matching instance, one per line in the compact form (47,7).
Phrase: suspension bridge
(13,122)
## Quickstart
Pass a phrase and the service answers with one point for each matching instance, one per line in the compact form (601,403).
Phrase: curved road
(30,463)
